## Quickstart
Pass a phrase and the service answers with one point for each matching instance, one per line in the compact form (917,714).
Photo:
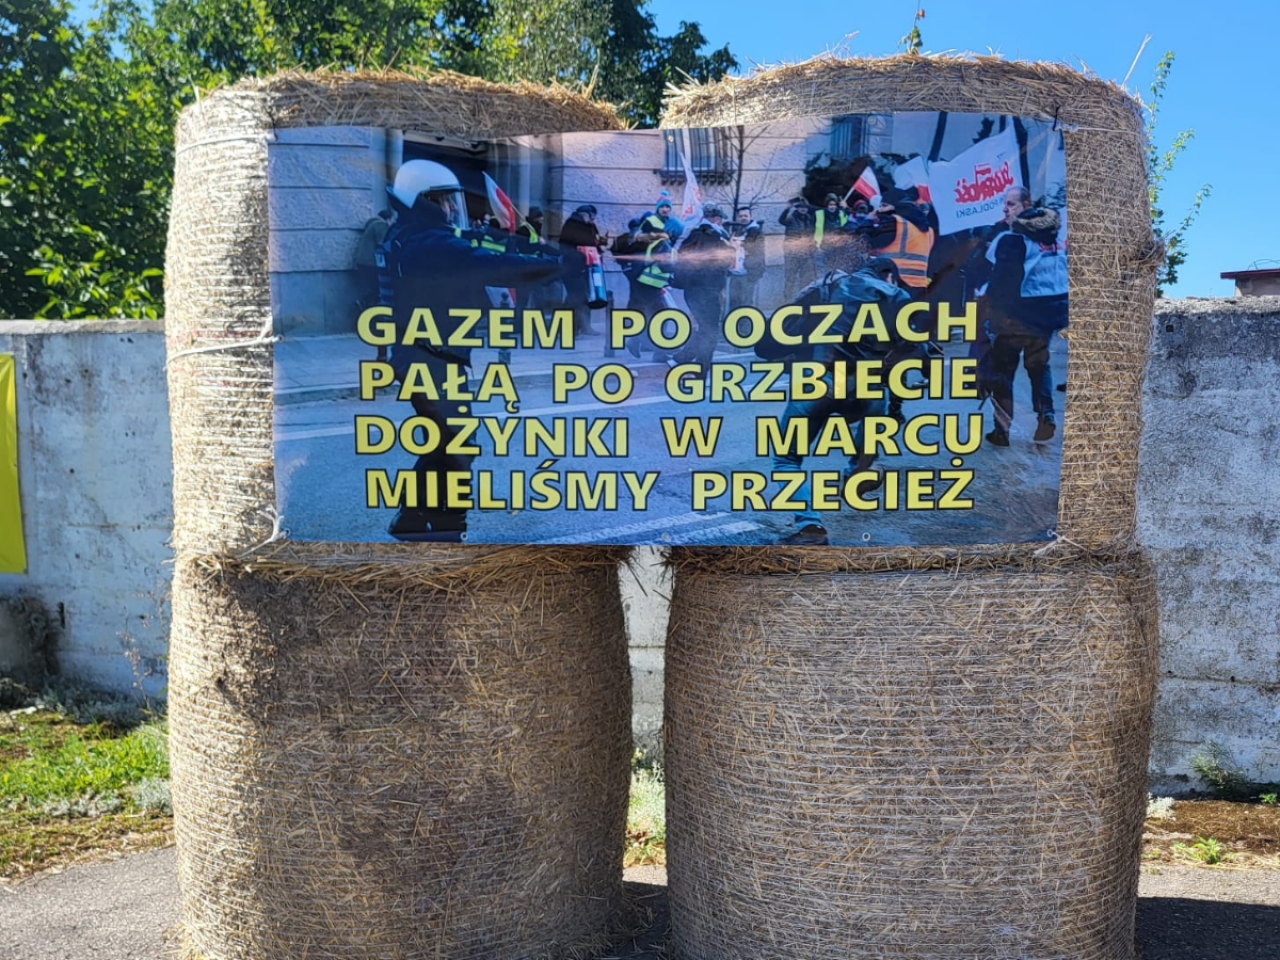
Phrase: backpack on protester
(821,291)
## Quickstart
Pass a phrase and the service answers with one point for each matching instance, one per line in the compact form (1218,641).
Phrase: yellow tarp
(13,554)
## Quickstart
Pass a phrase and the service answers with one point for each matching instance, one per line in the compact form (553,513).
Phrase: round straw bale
(1113,254)
(217,284)
(427,765)
(904,765)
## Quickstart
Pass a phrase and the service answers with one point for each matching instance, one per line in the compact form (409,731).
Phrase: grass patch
(1206,850)
(646,815)
(1213,832)
(78,784)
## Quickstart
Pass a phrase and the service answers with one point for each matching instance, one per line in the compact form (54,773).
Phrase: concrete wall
(94,469)
(1208,496)
(95,473)
(646,595)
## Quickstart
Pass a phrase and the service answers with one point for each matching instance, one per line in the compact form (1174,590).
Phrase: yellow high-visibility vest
(653,274)
(820,224)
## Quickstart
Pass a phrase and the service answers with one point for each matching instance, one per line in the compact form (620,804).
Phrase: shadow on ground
(651,901)
(1182,928)
(1168,928)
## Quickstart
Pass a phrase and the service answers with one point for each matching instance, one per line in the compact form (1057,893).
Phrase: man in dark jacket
(426,262)
(1027,303)
(743,279)
(876,281)
(902,232)
(645,259)
(797,246)
(580,245)
(702,263)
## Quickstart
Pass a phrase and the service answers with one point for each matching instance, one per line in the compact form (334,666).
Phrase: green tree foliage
(913,42)
(614,47)
(85,165)
(506,40)
(87,110)
(638,65)
(1159,165)
(230,39)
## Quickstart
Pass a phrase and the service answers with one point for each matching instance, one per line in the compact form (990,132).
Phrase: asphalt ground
(127,909)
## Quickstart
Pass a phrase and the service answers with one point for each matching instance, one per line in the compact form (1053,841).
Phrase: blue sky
(1225,84)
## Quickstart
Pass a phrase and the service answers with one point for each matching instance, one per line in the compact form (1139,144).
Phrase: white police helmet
(418,177)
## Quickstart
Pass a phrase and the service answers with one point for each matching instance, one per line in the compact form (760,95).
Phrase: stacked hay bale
(911,752)
(377,750)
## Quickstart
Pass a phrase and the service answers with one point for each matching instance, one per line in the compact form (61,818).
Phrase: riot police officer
(427,262)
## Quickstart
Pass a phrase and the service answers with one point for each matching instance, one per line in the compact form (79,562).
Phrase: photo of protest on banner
(833,330)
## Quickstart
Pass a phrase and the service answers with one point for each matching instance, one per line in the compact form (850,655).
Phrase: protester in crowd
(1027,302)
(871,281)
(902,232)
(531,240)
(662,220)
(797,246)
(531,230)
(977,275)
(829,220)
(702,263)
(369,291)
(365,261)
(580,245)
(646,261)
(750,267)
(425,262)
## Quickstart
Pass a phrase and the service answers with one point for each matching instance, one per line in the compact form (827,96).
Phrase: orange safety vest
(909,249)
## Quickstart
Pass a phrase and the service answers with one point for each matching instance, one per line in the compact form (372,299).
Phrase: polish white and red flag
(913,173)
(867,188)
(500,204)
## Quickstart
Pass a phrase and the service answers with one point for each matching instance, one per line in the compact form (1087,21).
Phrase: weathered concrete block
(331,208)
(1210,477)
(646,591)
(1218,614)
(646,677)
(95,471)
(26,635)
(314,251)
(1242,717)
(319,167)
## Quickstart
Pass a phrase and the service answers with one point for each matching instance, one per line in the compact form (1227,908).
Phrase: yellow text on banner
(13,554)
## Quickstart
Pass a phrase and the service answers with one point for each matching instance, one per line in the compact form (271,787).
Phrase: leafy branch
(1159,166)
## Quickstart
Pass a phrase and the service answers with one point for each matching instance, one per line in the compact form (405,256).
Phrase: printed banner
(13,553)
(828,330)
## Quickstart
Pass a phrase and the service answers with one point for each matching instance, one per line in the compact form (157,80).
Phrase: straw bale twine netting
(416,769)
(217,288)
(378,750)
(933,751)
(1112,256)
(906,765)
